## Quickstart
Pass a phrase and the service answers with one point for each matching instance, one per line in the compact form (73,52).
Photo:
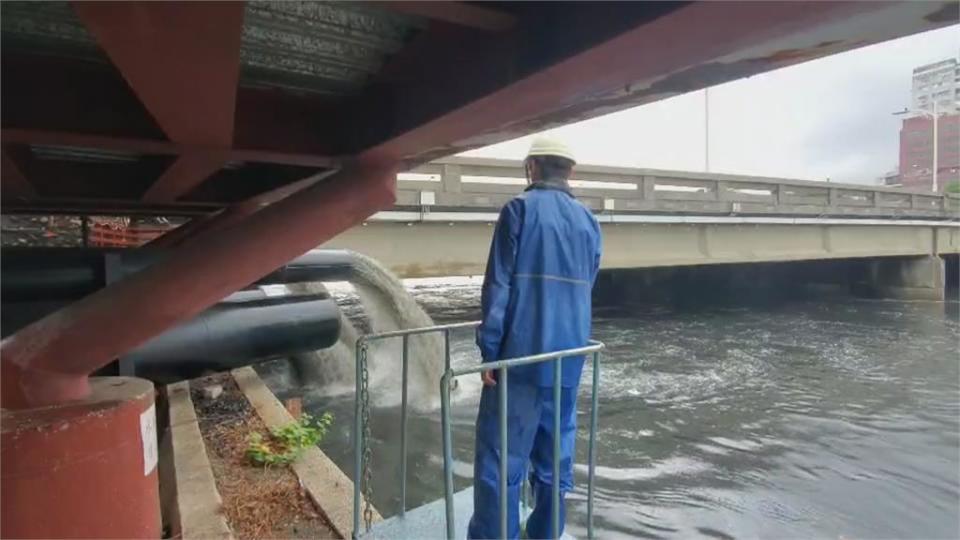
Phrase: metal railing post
(357,447)
(403,430)
(446,349)
(592,449)
(523,487)
(504,451)
(447,453)
(555,503)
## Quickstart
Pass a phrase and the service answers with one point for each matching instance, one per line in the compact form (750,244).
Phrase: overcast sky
(826,118)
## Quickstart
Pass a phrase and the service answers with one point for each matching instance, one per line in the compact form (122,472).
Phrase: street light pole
(706,129)
(936,146)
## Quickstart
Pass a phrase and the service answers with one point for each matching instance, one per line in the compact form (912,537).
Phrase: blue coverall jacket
(536,298)
(537,290)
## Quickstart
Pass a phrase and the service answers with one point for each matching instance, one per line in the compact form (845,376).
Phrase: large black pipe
(237,333)
(16,315)
(36,274)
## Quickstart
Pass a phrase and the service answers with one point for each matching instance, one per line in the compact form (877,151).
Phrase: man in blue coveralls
(536,298)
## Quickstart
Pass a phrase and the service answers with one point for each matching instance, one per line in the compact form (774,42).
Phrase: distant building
(938,82)
(916,151)
(933,83)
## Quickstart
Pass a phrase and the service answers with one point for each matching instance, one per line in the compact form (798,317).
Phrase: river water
(828,419)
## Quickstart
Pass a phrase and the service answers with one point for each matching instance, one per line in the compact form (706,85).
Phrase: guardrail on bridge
(484,184)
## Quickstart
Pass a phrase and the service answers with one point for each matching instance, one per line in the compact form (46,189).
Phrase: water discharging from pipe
(388,306)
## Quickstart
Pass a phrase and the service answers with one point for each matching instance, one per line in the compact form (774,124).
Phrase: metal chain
(367,452)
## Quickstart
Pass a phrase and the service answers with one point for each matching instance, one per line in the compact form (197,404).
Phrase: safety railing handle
(592,447)
(504,451)
(502,367)
(557,405)
(447,453)
(449,375)
(357,446)
(403,427)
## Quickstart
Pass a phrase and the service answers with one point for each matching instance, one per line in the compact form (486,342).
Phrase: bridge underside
(282,124)
(430,249)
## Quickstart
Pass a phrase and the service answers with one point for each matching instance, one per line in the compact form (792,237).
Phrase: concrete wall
(437,248)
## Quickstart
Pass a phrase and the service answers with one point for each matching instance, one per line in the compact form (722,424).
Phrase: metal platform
(427,522)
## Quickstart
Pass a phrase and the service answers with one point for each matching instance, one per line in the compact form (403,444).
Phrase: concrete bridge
(442,223)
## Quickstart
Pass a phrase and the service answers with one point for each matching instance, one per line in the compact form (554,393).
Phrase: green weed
(285,444)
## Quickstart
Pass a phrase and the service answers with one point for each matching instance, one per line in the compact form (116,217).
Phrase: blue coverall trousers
(529,440)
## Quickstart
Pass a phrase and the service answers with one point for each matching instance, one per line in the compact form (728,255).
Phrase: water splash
(330,371)
(388,307)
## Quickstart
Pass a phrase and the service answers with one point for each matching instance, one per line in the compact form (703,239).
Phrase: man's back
(554,242)
(544,258)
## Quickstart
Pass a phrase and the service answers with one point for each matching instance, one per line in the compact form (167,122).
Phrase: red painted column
(84,470)
(48,361)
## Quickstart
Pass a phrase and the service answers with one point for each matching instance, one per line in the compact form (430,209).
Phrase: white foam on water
(389,306)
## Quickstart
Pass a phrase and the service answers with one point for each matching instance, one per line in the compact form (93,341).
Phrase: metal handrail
(449,374)
(502,366)
(358,425)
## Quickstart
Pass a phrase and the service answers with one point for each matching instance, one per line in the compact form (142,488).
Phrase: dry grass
(258,502)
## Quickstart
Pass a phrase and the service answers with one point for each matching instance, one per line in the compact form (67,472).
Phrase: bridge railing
(484,184)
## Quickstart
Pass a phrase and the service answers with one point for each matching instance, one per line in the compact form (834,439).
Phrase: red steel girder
(158,147)
(48,361)
(58,98)
(237,212)
(182,59)
(696,45)
(97,206)
(184,174)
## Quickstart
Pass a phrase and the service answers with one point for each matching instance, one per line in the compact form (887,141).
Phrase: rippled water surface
(814,419)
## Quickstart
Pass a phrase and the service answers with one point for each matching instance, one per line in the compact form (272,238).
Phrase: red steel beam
(73,99)
(182,59)
(98,206)
(183,175)
(48,361)
(81,140)
(235,213)
(158,147)
(696,45)
(458,13)
(14,182)
(176,236)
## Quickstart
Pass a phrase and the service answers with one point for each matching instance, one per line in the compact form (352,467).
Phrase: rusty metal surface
(314,47)
(47,27)
(325,47)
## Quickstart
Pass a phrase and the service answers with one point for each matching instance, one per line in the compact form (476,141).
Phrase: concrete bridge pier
(703,284)
(904,278)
